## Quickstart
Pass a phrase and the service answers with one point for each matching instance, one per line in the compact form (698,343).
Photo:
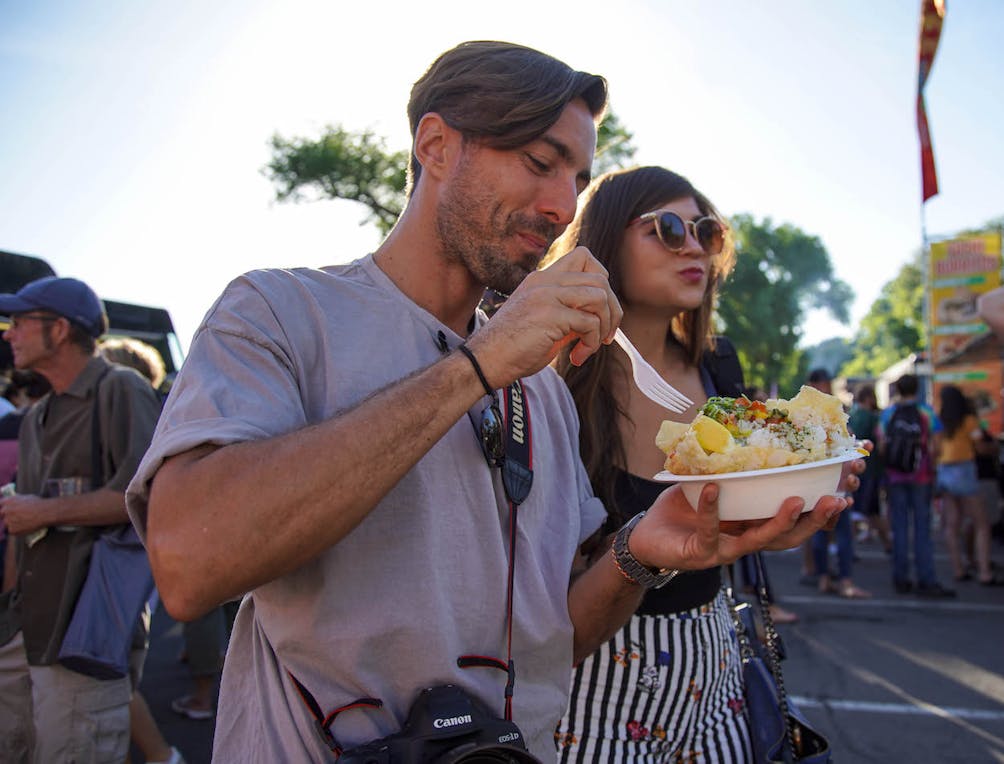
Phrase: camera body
(447,726)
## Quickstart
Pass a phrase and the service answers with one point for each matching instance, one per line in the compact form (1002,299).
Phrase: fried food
(737,434)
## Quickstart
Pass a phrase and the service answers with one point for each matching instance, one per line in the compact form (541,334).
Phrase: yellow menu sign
(960,271)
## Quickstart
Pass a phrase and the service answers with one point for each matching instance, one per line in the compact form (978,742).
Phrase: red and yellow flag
(932,15)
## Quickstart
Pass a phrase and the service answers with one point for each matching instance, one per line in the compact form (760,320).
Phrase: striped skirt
(664,689)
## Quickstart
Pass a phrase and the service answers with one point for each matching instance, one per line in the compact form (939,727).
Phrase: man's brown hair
(499,94)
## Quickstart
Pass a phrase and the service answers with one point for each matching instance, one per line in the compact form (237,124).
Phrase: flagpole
(932,14)
(925,261)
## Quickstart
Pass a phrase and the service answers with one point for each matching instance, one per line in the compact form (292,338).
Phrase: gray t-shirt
(422,580)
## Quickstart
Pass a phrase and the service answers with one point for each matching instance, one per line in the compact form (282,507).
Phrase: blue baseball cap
(70,298)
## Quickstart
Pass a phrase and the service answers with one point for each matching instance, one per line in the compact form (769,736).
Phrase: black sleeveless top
(720,375)
(688,590)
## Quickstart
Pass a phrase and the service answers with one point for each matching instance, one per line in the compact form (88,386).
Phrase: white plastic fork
(649,381)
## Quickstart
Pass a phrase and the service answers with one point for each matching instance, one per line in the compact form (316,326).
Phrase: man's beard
(471,231)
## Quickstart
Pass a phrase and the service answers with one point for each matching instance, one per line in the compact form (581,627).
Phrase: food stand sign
(961,270)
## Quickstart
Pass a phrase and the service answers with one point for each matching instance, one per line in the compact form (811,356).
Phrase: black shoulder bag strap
(724,368)
(97,462)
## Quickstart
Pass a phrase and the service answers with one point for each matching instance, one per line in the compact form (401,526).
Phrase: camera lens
(489,756)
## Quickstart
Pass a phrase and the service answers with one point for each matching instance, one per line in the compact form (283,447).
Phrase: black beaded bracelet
(477,368)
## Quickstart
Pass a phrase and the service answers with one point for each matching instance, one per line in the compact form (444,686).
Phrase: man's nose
(560,199)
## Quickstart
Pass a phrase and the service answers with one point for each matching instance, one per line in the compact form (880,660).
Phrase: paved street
(165,678)
(891,679)
(897,678)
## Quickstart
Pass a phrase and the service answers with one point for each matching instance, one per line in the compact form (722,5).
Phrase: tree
(829,354)
(614,147)
(341,165)
(781,273)
(357,166)
(894,325)
(993,225)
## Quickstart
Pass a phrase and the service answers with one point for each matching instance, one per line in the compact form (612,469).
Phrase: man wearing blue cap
(48,712)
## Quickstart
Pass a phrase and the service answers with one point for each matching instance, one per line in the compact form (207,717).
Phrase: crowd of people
(403,493)
(933,469)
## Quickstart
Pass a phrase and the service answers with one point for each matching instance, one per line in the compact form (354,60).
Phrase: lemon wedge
(712,436)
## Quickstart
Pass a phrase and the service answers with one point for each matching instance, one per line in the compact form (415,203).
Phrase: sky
(134,134)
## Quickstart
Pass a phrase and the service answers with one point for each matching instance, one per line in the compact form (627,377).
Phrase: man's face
(30,338)
(502,209)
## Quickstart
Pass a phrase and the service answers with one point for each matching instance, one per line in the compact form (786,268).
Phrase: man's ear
(437,145)
(59,330)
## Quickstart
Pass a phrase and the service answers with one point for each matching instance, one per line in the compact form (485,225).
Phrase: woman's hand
(675,535)
(849,481)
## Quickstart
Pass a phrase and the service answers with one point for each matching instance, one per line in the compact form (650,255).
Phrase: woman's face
(654,277)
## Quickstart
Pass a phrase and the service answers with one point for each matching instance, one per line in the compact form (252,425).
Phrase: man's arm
(25,513)
(223,520)
(673,535)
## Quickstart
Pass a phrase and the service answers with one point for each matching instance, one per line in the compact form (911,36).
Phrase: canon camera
(445,725)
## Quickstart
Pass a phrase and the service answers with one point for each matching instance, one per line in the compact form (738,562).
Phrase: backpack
(904,441)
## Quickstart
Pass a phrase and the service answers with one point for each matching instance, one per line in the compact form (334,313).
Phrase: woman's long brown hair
(955,407)
(609,204)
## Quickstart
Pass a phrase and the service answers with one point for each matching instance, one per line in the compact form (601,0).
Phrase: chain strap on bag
(779,731)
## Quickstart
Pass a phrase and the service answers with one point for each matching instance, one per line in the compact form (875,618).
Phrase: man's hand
(23,513)
(675,535)
(570,301)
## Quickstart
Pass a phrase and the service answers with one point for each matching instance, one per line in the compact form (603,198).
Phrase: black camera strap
(517,479)
(517,472)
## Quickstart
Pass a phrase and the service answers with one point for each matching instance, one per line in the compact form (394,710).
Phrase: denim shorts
(958,479)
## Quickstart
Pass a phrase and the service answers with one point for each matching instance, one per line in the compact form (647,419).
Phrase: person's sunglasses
(20,318)
(490,433)
(672,231)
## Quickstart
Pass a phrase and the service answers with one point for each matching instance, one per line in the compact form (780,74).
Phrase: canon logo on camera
(444,723)
(452,721)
